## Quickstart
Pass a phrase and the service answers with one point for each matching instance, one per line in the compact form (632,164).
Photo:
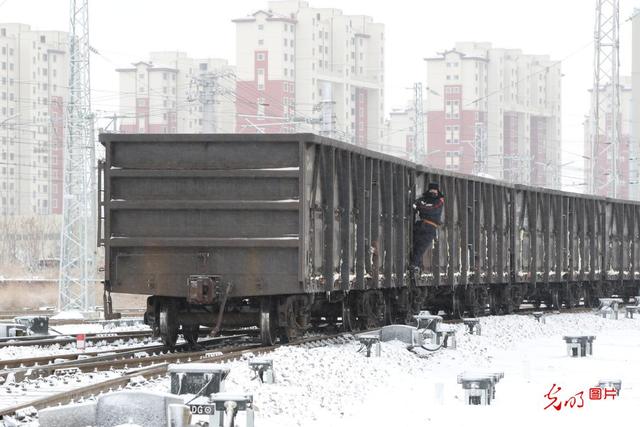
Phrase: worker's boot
(415,270)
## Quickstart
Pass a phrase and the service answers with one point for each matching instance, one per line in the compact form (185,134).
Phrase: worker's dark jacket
(430,209)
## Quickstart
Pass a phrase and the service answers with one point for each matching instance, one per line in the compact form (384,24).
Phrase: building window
(452,134)
(260,103)
(452,161)
(260,42)
(261,27)
(285,42)
(452,109)
(260,73)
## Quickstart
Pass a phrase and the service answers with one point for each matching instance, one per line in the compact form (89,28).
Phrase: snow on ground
(338,386)
(68,315)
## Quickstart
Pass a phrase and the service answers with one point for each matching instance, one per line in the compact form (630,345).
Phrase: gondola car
(284,231)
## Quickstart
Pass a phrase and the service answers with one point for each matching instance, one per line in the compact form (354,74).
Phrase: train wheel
(494,302)
(348,316)
(572,298)
(457,306)
(375,310)
(268,323)
(591,298)
(508,298)
(190,334)
(168,325)
(555,299)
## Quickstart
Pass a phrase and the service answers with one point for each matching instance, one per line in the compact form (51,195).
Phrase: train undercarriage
(286,317)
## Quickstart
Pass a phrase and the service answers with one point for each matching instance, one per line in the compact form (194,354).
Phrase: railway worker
(429,208)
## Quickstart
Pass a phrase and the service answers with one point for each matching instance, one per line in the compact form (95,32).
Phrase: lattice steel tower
(605,99)
(78,243)
(418,135)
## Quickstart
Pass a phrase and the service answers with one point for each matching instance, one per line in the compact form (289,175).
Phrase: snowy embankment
(337,386)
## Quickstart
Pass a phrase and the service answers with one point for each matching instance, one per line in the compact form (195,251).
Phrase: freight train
(285,231)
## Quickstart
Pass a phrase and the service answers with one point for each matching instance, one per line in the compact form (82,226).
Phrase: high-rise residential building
(494,111)
(302,68)
(603,151)
(33,93)
(172,92)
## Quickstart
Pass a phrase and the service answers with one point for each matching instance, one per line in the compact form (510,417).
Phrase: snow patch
(69,315)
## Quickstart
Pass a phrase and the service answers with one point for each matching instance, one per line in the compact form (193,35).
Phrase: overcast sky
(124,31)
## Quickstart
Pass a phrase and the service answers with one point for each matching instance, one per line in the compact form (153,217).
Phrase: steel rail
(159,369)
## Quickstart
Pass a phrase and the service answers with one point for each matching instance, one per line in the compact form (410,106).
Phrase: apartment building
(33,92)
(301,68)
(494,111)
(174,93)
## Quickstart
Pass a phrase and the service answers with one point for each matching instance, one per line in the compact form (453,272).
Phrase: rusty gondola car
(287,230)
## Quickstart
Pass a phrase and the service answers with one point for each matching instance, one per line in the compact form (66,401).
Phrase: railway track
(8,316)
(60,389)
(32,368)
(109,337)
(38,361)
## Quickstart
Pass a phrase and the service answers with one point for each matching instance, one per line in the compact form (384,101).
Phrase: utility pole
(418,128)
(325,107)
(112,126)
(480,149)
(208,88)
(79,205)
(605,93)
